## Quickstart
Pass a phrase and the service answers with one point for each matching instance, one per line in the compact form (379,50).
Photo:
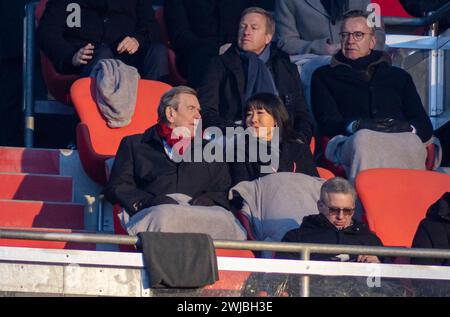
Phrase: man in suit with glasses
(367,107)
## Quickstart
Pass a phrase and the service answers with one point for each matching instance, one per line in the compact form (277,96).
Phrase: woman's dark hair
(275,107)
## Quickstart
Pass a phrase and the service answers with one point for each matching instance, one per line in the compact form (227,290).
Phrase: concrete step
(22,160)
(19,215)
(40,214)
(39,187)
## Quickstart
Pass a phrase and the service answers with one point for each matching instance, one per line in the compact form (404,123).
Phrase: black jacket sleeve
(239,172)
(147,28)
(326,112)
(50,36)
(305,161)
(209,96)
(294,237)
(414,112)
(221,184)
(429,235)
(122,187)
(178,26)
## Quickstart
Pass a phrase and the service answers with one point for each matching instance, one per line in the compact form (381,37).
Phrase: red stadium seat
(392,8)
(96,142)
(57,84)
(324,173)
(396,200)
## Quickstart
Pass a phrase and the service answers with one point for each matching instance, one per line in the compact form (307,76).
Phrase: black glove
(163,200)
(202,200)
(386,125)
(397,126)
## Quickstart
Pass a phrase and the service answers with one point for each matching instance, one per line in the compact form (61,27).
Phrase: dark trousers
(11,117)
(443,134)
(150,60)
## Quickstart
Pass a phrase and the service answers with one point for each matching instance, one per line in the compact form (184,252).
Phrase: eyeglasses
(334,211)
(357,36)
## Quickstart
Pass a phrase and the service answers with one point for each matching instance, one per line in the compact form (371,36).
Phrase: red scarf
(165,132)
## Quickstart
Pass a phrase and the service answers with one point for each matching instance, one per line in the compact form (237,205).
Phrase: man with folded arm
(369,108)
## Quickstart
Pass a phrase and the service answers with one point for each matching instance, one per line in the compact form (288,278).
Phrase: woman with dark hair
(271,132)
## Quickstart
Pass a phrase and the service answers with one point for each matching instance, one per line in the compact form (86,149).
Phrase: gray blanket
(116,91)
(216,221)
(277,203)
(368,149)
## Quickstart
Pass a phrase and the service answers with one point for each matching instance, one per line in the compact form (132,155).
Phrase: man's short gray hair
(270,21)
(357,14)
(171,98)
(336,185)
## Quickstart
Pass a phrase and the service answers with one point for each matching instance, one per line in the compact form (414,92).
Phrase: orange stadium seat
(96,141)
(396,200)
(57,84)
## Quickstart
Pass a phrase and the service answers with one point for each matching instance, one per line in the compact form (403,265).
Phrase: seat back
(106,140)
(396,200)
(159,16)
(175,77)
(95,140)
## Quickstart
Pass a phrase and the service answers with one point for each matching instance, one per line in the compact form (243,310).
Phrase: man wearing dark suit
(202,29)
(252,66)
(126,30)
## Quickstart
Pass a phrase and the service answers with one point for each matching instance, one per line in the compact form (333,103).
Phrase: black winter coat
(143,172)
(434,231)
(340,95)
(294,156)
(222,91)
(102,22)
(317,229)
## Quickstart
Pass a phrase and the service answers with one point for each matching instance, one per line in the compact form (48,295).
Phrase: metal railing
(431,19)
(435,44)
(305,249)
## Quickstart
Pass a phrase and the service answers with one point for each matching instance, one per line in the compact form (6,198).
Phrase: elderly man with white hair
(160,188)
